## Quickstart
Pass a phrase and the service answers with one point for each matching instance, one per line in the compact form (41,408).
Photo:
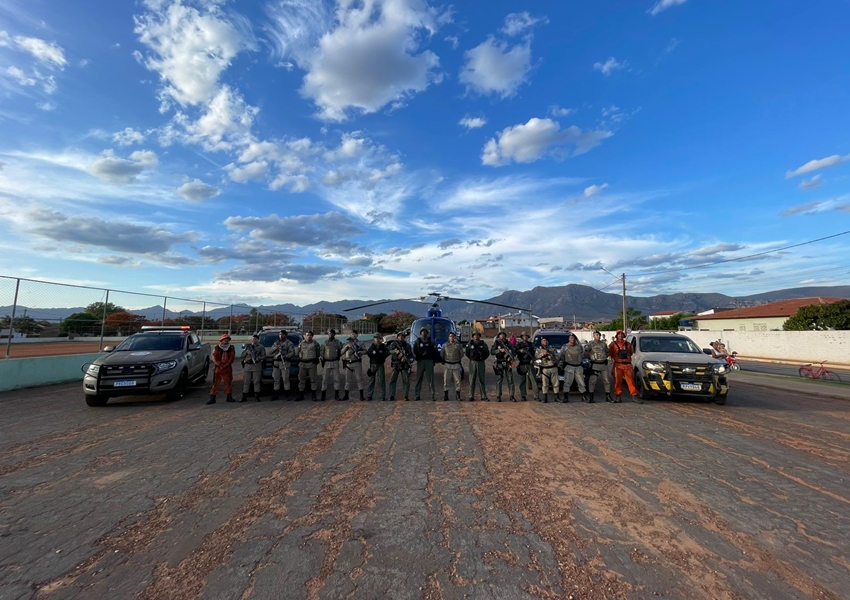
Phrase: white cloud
(609,66)
(811,184)
(255,171)
(537,138)
(557,111)
(841,203)
(19,76)
(191,49)
(128,137)
(593,190)
(517,23)
(112,169)
(46,106)
(224,125)
(814,165)
(370,60)
(494,67)
(473,122)
(662,5)
(46,52)
(5,40)
(198,191)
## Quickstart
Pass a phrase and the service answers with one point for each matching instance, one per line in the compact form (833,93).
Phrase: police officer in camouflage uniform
(352,356)
(525,358)
(597,352)
(504,355)
(477,352)
(377,353)
(331,352)
(425,352)
(548,369)
(283,351)
(252,367)
(570,359)
(308,358)
(451,353)
(401,358)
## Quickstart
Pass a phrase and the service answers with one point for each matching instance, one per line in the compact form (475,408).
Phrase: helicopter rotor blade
(368,305)
(488,302)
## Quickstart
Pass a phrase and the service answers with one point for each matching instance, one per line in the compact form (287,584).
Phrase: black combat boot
(300,395)
(324,395)
(257,396)
(417,399)
(244,398)
(336,394)
(590,399)
(608,397)
(458,396)
(313,394)
(584,397)
(514,399)
(523,399)
(345,396)
(230,398)
(446,396)
(498,399)
(274,396)
(212,399)
(361,396)
(617,400)
(406,399)
(637,399)
(392,398)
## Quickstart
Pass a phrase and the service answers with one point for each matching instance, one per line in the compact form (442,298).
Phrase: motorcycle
(732,362)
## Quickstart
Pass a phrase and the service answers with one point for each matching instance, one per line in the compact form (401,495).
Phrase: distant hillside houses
(765,317)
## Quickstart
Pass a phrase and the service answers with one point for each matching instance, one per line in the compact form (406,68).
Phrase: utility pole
(625,318)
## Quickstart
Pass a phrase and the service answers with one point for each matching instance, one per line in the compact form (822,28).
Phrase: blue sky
(296,151)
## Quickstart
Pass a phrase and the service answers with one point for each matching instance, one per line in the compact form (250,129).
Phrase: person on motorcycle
(718,352)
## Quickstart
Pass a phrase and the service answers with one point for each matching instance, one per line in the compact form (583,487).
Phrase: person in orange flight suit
(621,352)
(223,356)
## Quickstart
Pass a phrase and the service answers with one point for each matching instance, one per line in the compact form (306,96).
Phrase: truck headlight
(165,366)
(93,370)
(720,369)
(655,367)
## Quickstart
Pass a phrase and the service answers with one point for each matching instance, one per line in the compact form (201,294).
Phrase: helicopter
(437,325)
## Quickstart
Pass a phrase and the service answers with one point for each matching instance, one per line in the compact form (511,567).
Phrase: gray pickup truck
(157,360)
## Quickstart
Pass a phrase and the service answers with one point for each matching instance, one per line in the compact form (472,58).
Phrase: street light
(625,317)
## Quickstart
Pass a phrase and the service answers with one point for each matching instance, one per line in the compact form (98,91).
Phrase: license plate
(691,387)
(125,383)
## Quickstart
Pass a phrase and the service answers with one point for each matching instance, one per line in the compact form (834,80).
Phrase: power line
(728,260)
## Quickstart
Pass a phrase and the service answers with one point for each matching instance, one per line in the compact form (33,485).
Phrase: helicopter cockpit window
(442,329)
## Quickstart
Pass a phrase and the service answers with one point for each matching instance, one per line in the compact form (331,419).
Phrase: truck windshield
(152,342)
(664,344)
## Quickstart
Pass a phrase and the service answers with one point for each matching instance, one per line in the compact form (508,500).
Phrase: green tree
(397,321)
(670,323)
(80,323)
(636,320)
(820,317)
(96,309)
(25,324)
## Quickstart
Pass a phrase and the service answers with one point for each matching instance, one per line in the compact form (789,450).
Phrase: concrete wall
(33,372)
(752,324)
(781,346)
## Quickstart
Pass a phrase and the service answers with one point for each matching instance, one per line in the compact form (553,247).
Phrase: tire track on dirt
(589,479)
(137,532)
(189,577)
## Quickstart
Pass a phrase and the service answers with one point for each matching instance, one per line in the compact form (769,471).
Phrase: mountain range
(568,301)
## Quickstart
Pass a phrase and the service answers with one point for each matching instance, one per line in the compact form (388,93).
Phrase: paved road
(789,369)
(166,500)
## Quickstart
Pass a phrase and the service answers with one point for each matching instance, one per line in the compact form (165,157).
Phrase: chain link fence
(40,311)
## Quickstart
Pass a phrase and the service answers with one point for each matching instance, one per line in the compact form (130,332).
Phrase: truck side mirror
(108,348)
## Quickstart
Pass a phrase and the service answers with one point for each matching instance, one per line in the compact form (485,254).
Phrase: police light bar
(166,327)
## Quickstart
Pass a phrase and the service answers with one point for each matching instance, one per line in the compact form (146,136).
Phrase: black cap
(400,334)
(255,336)
(309,333)
(378,336)
(332,332)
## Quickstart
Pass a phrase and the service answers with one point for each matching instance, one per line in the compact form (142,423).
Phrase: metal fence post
(230,323)
(103,321)
(203,320)
(12,319)
(164,302)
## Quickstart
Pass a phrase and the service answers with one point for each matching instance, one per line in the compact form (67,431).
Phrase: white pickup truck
(157,360)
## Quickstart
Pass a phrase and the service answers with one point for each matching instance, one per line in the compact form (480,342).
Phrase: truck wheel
(643,393)
(180,389)
(96,400)
(202,377)
(721,400)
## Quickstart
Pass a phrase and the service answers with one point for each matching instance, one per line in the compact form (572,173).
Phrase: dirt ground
(671,499)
